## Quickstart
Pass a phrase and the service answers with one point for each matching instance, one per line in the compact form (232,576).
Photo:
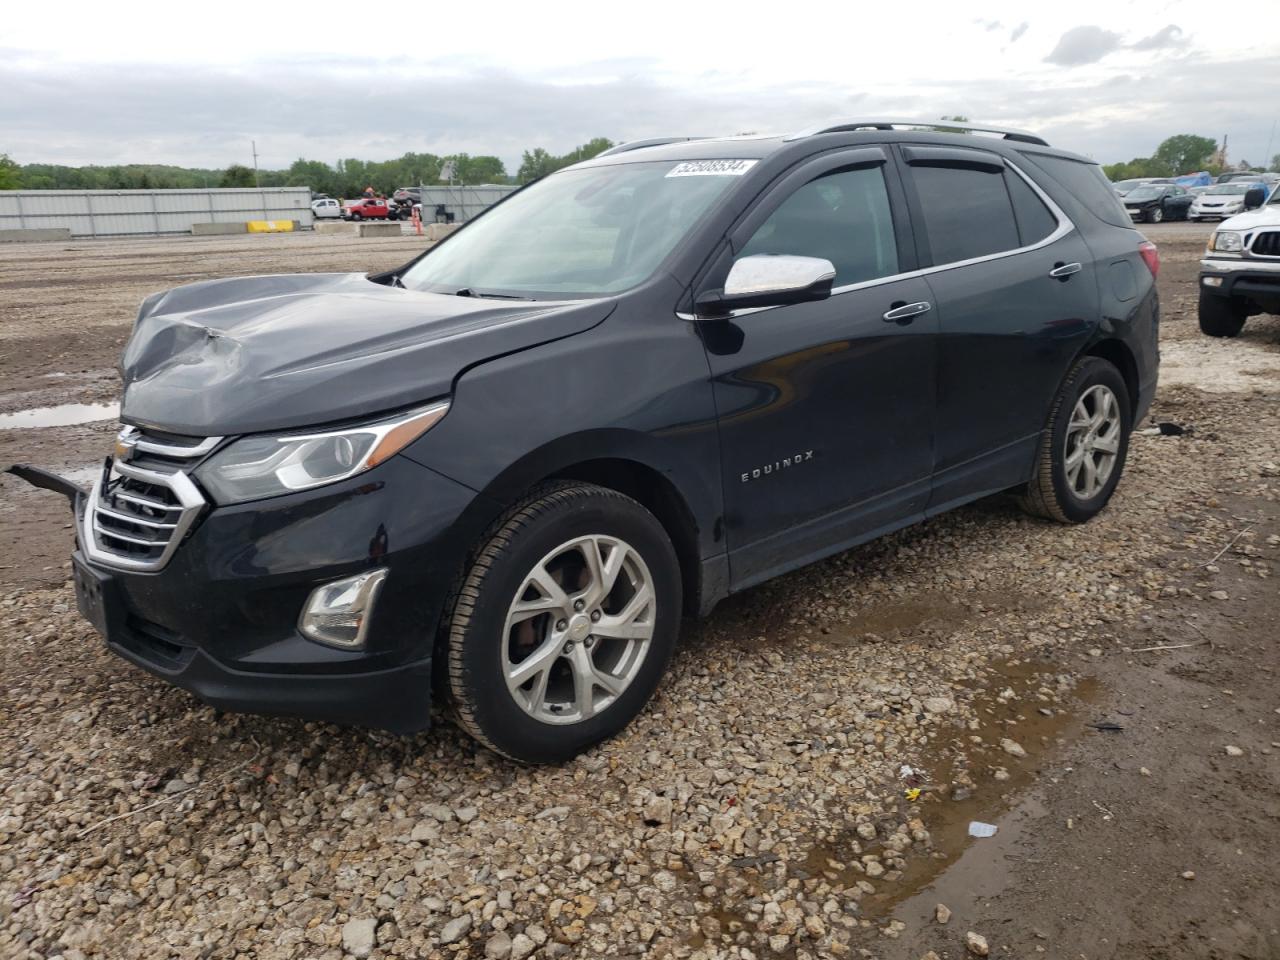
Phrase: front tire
(1155,215)
(564,623)
(1083,450)
(1220,316)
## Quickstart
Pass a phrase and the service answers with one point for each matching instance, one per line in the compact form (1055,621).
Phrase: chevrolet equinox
(502,473)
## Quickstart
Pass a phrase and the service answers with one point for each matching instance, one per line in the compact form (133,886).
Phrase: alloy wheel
(1093,441)
(579,629)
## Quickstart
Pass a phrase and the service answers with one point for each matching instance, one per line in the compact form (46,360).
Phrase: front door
(826,408)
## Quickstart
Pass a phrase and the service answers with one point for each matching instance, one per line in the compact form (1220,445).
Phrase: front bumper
(395,699)
(220,619)
(1256,280)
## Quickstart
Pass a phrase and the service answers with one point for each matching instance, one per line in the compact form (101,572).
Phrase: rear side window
(1086,183)
(1035,222)
(967,212)
(842,217)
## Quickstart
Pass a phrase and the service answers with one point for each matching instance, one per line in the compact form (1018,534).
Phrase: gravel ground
(762,805)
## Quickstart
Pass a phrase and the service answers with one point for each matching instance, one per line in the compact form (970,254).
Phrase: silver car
(1222,200)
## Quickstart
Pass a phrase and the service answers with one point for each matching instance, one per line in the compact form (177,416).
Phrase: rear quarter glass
(1086,183)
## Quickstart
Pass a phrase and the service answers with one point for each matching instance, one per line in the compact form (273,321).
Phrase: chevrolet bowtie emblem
(126,444)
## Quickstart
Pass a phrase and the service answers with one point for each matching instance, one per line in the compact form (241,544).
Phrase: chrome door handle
(1061,271)
(904,313)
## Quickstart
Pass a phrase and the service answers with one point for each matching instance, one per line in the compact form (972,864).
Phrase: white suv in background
(1240,272)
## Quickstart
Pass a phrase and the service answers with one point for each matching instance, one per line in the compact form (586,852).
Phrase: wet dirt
(971,778)
(1147,842)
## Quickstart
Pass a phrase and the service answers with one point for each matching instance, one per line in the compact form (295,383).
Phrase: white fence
(463,202)
(115,213)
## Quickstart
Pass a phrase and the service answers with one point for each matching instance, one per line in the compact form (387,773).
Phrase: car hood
(1131,201)
(1267,215)
(1221,198)
(253,354)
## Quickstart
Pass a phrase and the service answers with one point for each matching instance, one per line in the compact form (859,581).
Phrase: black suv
(505,471)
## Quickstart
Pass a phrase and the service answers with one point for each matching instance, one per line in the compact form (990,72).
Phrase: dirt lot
(1106,695)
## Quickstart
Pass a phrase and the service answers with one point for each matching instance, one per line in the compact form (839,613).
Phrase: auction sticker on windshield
(711,168)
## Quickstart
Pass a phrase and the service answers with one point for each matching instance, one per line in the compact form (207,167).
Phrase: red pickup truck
(366,209)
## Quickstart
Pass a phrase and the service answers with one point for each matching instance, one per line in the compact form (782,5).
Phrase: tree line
(1183,153)
(345,178)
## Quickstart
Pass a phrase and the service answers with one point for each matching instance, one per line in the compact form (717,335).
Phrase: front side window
(842,217)
(588,232)
(967,212)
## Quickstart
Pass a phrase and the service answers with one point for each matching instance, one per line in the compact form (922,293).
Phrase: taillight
(1150,256)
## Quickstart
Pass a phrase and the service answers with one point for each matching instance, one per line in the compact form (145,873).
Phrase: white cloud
(113,85)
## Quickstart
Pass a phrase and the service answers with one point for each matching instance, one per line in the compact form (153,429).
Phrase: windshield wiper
(469,292)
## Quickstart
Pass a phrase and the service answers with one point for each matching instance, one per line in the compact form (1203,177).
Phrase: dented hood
(253,354)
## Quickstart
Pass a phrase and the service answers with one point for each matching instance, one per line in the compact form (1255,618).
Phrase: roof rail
(842,126)
(641,144)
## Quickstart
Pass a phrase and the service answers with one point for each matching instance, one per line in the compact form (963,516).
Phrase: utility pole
(254,145)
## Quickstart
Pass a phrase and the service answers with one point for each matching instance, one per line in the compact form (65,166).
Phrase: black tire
(1221,316)
(356,216)
(1155,215)
(475,645)
(1049,493)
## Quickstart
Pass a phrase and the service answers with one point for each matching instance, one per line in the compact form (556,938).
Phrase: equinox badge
(777,466)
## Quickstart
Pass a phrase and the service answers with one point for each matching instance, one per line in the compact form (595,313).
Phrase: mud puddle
(929,612)
(62,415)
(971,777)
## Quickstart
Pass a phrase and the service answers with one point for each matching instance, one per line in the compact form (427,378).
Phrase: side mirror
(766,280)
(1254,197)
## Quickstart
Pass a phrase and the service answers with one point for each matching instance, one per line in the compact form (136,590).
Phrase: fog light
(338,613)
(1212,281)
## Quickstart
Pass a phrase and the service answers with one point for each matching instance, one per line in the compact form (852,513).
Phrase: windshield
(1144,193)
(579,233)
(1235,187)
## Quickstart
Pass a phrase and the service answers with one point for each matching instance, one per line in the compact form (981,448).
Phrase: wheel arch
(626,462)
(657,494)
(1119,355)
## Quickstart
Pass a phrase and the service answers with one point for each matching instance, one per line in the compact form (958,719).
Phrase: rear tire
(1083,449)
(564,623)
(1220,316)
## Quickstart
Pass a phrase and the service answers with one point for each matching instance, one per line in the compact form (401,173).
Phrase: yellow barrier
(270,226)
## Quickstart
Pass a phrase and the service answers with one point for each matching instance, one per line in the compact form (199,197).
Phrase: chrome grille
(144,503)
(1266,244)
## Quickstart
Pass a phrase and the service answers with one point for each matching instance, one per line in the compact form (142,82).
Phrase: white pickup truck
(1240,272)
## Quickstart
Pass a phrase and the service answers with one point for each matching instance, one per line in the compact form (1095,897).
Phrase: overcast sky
(141,82)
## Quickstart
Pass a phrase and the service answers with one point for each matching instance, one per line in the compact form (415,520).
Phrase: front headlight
(1228,240)
(256,467)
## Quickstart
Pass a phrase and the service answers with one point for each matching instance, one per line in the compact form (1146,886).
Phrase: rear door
(825,409)
(1016,296)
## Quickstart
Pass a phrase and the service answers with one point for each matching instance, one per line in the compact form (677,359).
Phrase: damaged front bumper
(220,619)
